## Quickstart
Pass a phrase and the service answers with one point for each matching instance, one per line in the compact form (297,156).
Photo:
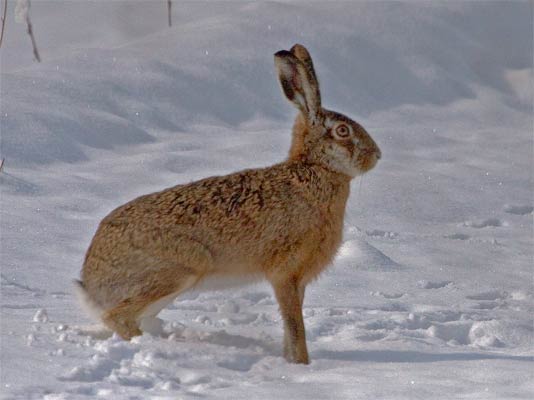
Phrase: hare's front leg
(290,295)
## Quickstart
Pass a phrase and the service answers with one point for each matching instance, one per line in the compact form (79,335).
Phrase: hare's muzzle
(371,155)
(378,154)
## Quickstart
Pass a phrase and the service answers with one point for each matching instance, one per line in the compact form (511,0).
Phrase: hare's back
(247,202)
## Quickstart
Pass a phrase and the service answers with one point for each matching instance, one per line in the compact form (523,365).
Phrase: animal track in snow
(518,209)
(243,319)
(413,321)
(488,295)
(393,307)
(458,236)
(260,298)
(479,333)
(424,284)
(240,362)
(324,329)
(488,305)
(485,223)
(489,300)
(455,328)
(382,234)
(389,296)
(11,284)
(110,355)
(137,364)
(456,332)
(371,337)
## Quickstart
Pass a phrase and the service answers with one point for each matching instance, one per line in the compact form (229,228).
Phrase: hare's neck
(326,188)
(333,189)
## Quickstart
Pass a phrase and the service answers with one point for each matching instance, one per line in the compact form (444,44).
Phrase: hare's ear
(299,84)
(303,55)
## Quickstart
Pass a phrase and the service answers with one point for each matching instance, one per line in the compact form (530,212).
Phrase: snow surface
(431,295)
(22,7)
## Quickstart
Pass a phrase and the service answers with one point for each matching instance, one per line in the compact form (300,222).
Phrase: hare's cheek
(341,159)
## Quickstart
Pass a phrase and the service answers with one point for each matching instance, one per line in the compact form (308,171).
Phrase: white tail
(88,304)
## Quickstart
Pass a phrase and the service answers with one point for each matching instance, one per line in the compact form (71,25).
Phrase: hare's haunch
(282,223)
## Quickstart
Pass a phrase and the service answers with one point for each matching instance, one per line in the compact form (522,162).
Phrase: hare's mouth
(369,159)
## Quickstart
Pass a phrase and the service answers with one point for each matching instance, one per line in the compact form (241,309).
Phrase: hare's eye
(342,131)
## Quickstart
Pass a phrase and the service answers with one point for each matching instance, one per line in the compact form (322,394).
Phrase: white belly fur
(221,282)
(211,282)
(153,309)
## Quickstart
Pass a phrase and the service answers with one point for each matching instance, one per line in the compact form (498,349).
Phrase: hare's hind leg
(162,268)
(125,317)
(122,319)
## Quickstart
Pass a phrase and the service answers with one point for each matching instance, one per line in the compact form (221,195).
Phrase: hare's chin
(369,164)
(350,169)
(361,169)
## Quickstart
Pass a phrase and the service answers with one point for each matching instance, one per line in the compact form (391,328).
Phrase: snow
(431,295)
(22,7)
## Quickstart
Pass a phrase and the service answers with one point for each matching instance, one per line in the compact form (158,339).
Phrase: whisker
(358,197)
(352,220)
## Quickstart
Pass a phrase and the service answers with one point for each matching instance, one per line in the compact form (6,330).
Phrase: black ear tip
(282,53)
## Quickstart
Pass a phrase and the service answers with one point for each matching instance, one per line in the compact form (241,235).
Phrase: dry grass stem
(4,13)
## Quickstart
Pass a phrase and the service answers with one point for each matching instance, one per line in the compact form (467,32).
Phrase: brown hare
(282,223)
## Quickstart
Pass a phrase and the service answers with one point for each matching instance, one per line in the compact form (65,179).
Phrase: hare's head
(321,136)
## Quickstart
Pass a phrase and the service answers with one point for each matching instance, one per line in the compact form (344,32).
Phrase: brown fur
(283,223)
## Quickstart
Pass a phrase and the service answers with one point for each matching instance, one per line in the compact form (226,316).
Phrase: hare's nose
(378,154)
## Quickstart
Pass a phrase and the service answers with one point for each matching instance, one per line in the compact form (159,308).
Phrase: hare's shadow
(223,338)
(397,356)
(273,348)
